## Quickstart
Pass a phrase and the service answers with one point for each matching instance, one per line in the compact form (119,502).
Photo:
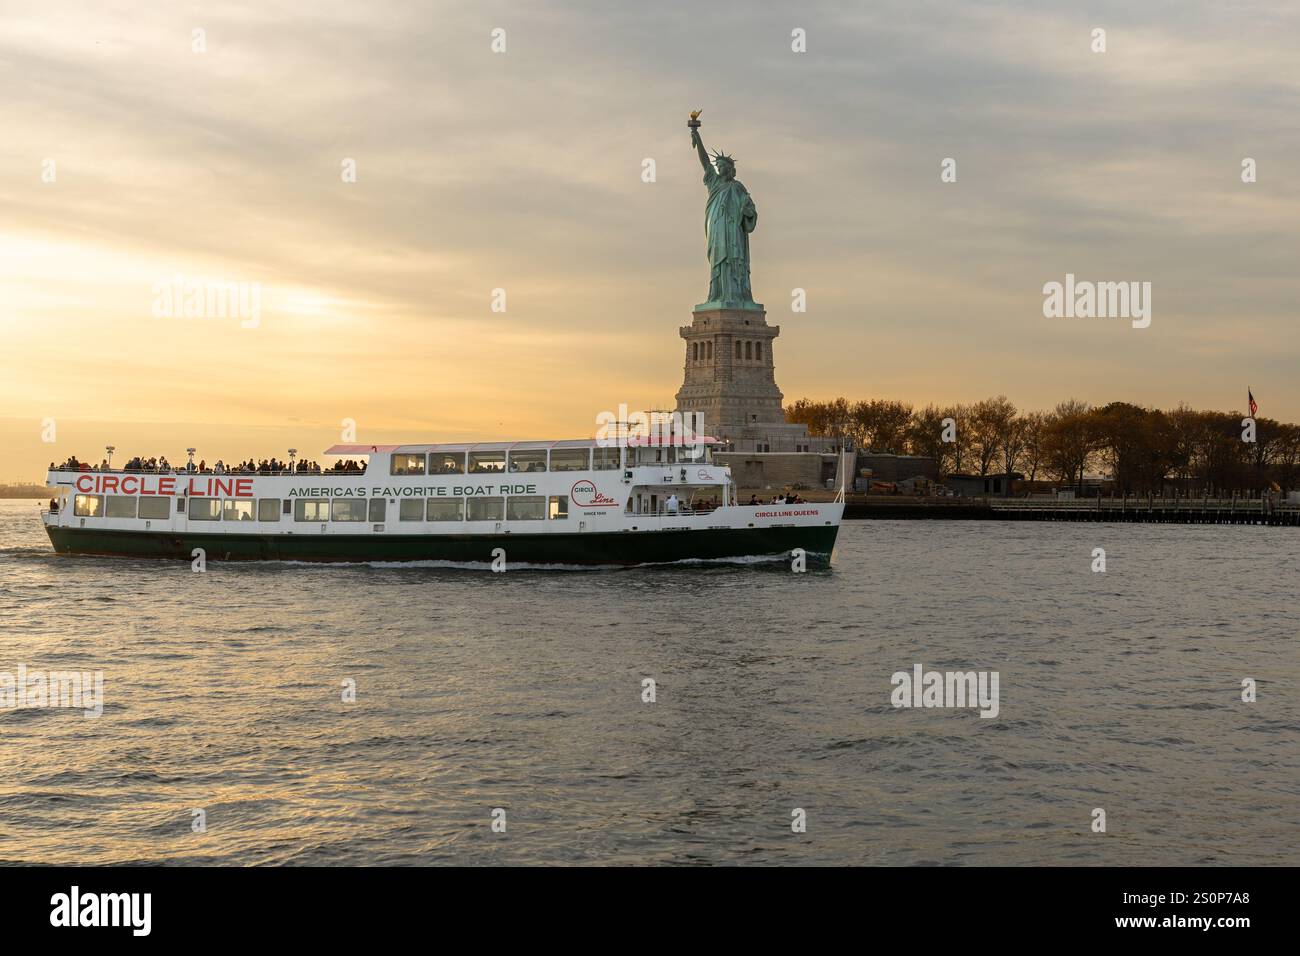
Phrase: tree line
(23,490)
(1142,450)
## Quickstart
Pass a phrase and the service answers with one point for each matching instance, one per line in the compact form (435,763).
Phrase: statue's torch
(694,124)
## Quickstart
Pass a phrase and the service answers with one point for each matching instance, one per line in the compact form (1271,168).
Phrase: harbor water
(228,732)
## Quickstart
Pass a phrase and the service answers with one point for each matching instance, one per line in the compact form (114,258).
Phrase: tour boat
(644,500)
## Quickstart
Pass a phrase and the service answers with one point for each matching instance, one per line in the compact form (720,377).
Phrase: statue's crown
(717,156)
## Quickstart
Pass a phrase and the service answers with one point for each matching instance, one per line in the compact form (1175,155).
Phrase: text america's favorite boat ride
(645,500)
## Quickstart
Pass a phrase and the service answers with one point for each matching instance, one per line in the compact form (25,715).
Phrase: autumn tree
(1032,427)
(990,420)
(1068,442)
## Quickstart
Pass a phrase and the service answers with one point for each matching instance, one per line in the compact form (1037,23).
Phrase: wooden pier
(1160,510)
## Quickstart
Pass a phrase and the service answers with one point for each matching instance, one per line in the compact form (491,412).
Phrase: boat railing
(686,510)
(334,472)
(1133,503)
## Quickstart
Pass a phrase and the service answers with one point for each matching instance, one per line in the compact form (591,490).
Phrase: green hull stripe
(620,547)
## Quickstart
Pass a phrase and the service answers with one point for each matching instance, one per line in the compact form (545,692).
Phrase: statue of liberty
(729,218)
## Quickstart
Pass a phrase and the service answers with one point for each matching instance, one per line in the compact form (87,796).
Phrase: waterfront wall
(1157,510)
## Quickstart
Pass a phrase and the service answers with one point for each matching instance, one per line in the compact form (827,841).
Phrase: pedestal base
(729,376)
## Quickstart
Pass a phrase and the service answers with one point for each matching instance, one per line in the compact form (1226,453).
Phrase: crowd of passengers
(709,504)
(266,466)
(786,499)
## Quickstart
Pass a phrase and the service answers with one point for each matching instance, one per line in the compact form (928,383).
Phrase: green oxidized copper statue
(729,218)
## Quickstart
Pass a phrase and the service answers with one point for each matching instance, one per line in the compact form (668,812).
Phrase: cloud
(522,171)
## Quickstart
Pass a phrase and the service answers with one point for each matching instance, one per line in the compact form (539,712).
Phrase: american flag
(1251,398)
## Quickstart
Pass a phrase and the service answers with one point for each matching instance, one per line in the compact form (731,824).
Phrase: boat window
(120,506)
(407,465)
(348,509)
(268,509)
(526,508)
(205,509)
(606,459)
(180,506)
(410,509)
(378,507)
(481,462)
(311,509)
(155,507)
(696,454)
(559,506)
(237,511)
(486,509)
(528,460)
(571,459)
(88,506)
(445,463)
(447,509)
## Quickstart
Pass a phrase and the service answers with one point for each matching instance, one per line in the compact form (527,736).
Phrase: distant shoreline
(20,492)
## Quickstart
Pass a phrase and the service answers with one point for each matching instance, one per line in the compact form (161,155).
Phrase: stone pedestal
(730,377)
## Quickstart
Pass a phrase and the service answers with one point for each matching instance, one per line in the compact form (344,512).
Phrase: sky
(132,153)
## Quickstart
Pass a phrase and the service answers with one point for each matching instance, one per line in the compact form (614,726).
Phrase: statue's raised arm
(701,151)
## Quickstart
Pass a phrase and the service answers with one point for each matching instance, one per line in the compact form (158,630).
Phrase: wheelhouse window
(526,508)
(447,509)
(606,459)
(348,509)
(311,509)
(237,511)
(205,509)
(487,462)
(447,463)
(486,509)
(559,506)
(528,460)
(88,506)
(407,465)
(155,507)
(571,459)
(120,506)
(410,509)
(268,509)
